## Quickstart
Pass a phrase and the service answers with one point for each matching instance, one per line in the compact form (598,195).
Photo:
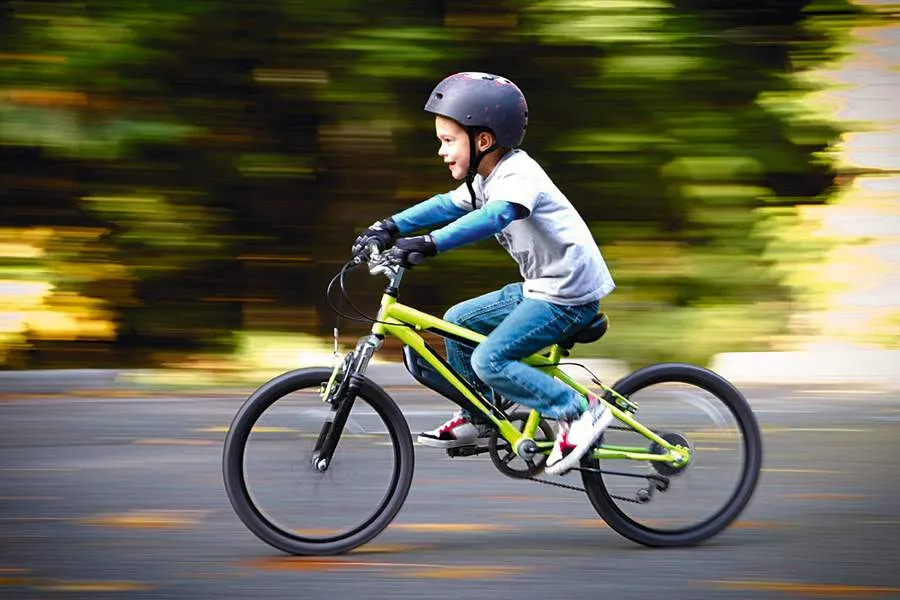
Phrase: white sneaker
(575,438)
(455,432)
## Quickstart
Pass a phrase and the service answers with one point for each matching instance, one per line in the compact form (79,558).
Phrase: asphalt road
(123,498)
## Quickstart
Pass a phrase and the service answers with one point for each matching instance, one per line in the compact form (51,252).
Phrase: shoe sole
(574,457)
(445,444)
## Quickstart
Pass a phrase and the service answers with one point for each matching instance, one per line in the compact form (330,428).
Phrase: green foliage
(228,152)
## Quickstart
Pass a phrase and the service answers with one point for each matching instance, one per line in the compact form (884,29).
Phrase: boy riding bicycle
(480,121)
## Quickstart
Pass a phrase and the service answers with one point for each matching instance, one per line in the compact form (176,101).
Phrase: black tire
(318,544)
(748,474)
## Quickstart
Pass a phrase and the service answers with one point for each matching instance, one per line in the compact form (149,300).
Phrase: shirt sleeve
(515,189)
(477,225)
(437,210)
(461,197)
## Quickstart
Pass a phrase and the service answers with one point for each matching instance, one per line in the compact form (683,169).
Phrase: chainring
(505,458)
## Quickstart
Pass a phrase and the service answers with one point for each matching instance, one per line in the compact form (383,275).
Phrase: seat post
(556,353)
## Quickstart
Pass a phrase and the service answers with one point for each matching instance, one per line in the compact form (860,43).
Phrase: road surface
(111,497)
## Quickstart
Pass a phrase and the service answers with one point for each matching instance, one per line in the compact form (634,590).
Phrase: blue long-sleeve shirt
(460,227)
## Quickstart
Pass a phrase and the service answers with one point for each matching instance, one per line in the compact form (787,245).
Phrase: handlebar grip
(415,258)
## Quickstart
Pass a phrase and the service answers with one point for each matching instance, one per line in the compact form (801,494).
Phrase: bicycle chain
(581,489)
(578,489)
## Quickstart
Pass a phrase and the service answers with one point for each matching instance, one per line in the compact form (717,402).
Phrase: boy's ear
(484,140)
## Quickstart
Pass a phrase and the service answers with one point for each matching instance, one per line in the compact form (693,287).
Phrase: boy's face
(454,146)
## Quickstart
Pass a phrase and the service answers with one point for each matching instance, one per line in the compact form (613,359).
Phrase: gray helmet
(482,100)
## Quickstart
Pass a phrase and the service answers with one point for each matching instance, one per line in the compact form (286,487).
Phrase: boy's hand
(405,247)
(380,232)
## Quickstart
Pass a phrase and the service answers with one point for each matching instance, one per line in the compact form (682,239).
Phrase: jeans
(517,327)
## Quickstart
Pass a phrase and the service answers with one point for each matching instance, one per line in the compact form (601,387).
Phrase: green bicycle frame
(403,322)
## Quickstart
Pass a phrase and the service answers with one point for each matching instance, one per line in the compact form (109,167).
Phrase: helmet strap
(475,159)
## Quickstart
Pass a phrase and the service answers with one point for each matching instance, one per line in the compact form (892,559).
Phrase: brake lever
(379,262)
(370,254)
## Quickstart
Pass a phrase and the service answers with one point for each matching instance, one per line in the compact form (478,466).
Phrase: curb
(55,381)
(58,381)
(863,367)
(880,368)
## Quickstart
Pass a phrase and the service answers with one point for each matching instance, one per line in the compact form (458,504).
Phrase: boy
(480,121)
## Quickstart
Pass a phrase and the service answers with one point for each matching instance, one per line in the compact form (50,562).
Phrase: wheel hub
(676,439)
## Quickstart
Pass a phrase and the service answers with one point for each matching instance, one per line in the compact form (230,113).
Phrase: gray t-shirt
(556,254)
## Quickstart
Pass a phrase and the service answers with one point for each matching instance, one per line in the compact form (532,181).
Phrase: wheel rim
(305,505)
(696,496)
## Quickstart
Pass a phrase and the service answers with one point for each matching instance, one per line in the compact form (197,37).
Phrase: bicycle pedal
(472,450)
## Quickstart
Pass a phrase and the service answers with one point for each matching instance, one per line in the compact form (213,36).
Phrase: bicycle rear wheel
(276,489)
(691,406)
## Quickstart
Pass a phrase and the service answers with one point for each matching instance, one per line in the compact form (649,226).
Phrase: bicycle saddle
(591,333)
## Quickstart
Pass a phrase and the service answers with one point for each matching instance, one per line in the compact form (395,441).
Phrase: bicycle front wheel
(274,485)
(657,504)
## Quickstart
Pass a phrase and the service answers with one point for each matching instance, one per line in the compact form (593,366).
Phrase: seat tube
(531,424)
(555,354)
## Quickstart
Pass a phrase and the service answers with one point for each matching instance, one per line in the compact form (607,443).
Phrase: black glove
(380,232)
(411,250)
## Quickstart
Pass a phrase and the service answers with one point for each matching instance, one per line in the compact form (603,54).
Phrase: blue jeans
(517,327)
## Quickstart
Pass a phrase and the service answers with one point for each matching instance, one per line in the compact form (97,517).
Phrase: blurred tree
(226,153)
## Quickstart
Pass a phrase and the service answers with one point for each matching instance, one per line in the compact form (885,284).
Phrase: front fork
(340,393)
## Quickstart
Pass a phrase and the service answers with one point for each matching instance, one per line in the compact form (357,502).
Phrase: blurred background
(181,179)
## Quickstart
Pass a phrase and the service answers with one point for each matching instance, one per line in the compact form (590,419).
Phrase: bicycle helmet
(481,101)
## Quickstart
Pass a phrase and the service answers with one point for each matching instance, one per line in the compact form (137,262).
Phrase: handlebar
(415,258)
(389,263)
(388,258)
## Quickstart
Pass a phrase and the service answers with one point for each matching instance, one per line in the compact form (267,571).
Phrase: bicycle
(333,424)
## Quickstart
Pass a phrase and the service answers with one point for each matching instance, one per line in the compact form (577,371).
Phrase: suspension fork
(342,403)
